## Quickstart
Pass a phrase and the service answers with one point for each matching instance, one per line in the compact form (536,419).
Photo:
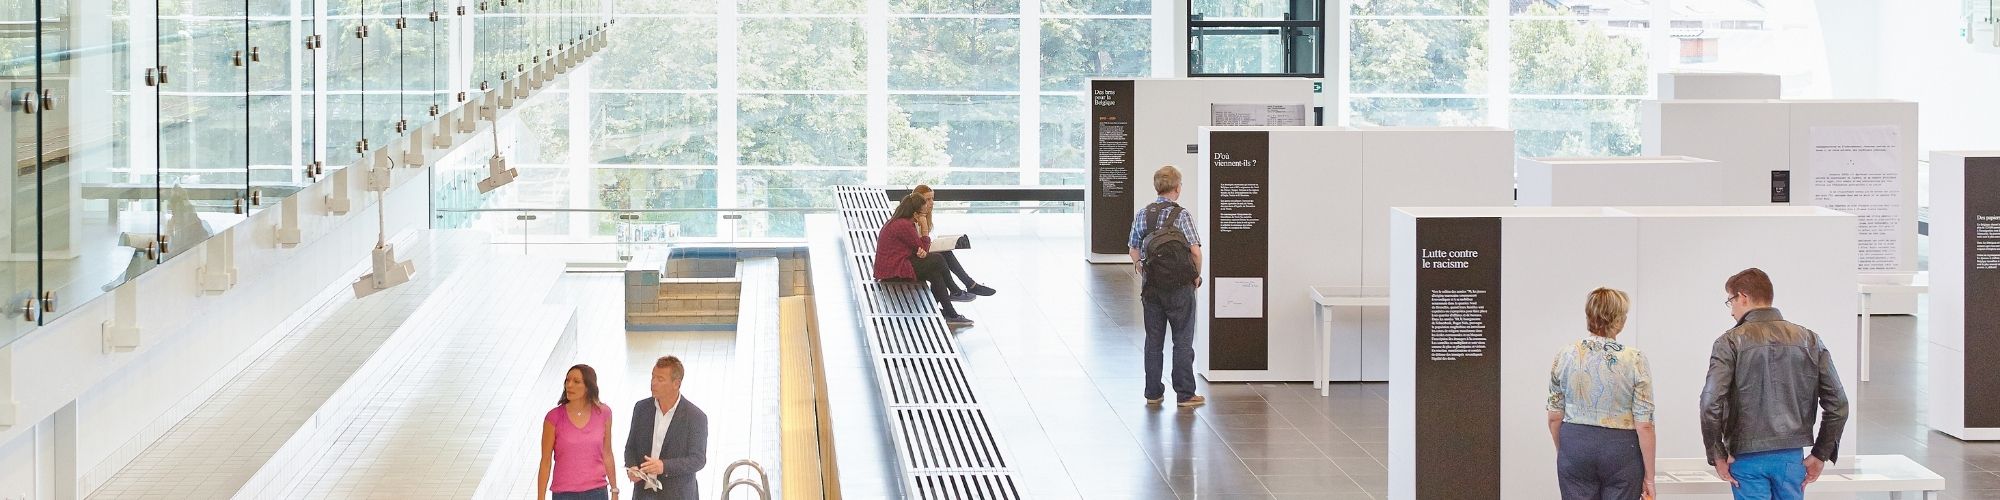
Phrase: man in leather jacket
(1764,378)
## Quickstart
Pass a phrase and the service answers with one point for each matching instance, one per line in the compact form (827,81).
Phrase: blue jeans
(1770,475)
(1169,308)
(596,494)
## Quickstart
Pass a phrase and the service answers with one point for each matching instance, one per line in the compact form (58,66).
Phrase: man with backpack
(1166,252)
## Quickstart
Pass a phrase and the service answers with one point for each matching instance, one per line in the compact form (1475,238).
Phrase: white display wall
(1824,147)
(1719,85)
(1487,425)
(1638,181)
(1160,129)
(1328,195)
(1965,271)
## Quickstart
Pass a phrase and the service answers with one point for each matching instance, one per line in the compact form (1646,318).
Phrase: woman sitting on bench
(902,254)
(972,288)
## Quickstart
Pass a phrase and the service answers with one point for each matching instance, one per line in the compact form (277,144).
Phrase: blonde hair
(1166,179)
(1604,312)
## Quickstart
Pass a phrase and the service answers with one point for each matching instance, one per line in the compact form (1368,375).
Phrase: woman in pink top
(576,437)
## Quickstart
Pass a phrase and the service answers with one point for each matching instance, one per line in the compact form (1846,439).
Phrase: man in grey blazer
(669,438)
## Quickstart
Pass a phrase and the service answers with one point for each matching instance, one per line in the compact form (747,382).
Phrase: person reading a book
(973,289)
(1601,409)
(903,254)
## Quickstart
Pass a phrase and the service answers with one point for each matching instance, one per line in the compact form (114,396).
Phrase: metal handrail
(762,484)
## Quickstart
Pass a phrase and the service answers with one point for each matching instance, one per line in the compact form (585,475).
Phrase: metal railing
(762,485)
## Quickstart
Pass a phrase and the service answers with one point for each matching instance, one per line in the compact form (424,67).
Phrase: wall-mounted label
(1111,133)
(1238,249)
(1857,170)
(1458,358)
(1982,292)
(1259,115)
(1781,186)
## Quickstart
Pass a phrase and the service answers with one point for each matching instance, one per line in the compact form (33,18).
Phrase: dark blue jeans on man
(1770,475)
(1169,307)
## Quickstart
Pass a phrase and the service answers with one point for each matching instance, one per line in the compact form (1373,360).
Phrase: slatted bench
(945,442)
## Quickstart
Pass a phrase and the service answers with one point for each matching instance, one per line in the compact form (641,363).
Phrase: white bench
(1895,474)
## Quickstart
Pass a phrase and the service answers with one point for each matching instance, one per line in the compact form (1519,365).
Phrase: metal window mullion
(1029,93)
(1343,98)
(728,32)
(877,28)
(1662,49)
(1499,63)
(581,143)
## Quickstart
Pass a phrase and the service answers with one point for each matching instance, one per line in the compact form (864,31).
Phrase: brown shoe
(1191,402)
(1155,401)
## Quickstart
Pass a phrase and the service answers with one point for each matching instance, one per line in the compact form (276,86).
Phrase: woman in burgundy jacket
(903,255)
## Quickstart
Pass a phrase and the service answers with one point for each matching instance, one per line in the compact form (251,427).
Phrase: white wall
(1916,54)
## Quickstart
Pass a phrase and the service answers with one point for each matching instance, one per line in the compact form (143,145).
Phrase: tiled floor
(624,363)
(222,443)
(1056,357)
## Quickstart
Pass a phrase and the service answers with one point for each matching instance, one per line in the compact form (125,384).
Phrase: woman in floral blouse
(1601,409)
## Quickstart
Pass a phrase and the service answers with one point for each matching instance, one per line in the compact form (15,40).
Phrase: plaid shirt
(1141,226)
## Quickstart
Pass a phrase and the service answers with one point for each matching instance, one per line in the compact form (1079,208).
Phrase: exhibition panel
(1965,294)
(1482,300)
(1286,209)
(1854,156)
(1139,125)
(1719,85)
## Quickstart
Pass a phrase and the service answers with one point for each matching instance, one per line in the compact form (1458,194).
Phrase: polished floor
(1056,358)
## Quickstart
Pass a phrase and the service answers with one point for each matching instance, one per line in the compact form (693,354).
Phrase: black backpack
(1169,261)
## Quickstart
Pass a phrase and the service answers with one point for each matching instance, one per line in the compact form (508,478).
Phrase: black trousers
(1597,463)
(931,270)
(957,269)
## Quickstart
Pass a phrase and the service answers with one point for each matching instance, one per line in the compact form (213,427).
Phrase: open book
(949,242)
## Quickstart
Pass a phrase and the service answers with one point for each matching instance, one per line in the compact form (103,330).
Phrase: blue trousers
(1169,308)
(1770,475)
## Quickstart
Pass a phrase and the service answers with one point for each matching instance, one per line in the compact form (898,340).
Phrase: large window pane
(198,55)
(663,54)
(1420,7)
(654,129)
(629,7)
(948,177)
(811,130)
(1627,9)
(1576,127)
(271,139)
(1252,51)
(802,6)
(1419,56)
(545,129)
(786,189)
(646,188)
(1578,57)
(954,131)
(1214,10)
(1074,50)
(954,54)
(1065,120)
(954,6)
(803,54)
(1401,112)
(1098,7)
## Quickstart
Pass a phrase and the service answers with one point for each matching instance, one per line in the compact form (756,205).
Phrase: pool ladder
(761,485)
